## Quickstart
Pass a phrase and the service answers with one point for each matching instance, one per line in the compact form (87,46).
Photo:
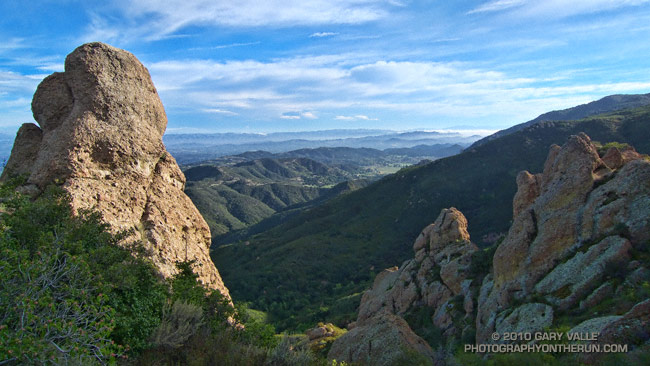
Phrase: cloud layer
(154,19)
(326,86)
(318,64)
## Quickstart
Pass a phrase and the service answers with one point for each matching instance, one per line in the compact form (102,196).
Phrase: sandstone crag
(577,228)
(100,138)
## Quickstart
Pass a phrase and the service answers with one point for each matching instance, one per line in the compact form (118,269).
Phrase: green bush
(287,353)
(69,294)
(419,319)
(410,357)
(180,321)
(53,308)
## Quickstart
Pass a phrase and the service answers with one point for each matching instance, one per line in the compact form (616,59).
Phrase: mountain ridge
(606,104)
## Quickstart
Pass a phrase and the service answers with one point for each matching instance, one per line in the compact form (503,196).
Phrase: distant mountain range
(193,148)
(334,249)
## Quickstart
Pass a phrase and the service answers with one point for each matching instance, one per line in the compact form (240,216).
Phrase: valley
(236,192)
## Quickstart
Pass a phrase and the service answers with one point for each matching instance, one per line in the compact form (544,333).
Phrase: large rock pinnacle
(100,138)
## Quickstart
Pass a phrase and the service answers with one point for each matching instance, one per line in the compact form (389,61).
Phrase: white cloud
(554,8)
(298,115)
(496,5)
(153,19)
(19,83)
(356,117)
(322,34)
(53,67)
(290,115)
(294,88)
(12,44)
(219,111)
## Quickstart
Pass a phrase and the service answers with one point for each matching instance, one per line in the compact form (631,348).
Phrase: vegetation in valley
(234,192)
(237,196)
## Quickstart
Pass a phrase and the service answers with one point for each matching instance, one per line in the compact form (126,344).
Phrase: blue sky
(291,65)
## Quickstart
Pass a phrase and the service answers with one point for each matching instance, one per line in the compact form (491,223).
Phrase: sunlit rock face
(100,138)
(581,217)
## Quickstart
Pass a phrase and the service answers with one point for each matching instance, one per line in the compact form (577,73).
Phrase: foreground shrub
(52,306)
(181,321)
(289,353)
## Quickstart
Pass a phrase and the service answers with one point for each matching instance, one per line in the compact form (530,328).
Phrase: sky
(298,65)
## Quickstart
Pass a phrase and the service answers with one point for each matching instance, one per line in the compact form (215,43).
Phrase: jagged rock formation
(436,278)
(577,224)
(579,246)
(100,138)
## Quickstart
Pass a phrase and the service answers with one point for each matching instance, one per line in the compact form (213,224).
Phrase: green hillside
(315,265)
(234,192)
(233,197)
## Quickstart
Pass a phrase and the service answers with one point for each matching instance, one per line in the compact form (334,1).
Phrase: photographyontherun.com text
(530,345)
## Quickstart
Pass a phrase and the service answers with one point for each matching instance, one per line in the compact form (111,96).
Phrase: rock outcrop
(380,342)
(100,138)
(579,245)
(577,227)
(437,278)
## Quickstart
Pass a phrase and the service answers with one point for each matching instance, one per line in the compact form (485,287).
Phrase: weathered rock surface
(594,325)
(581,274)
(100,138)
(325,330)
(580,236)
(633,328)
(380,342)
(581,217)
(532,317)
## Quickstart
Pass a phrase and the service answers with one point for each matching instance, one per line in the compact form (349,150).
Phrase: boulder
(568,282)
(432,279)
(527,191)
(631,329)
(594,325)
(382,341)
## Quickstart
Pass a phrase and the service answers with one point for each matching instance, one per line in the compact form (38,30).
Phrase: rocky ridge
(577,255)
(100,139)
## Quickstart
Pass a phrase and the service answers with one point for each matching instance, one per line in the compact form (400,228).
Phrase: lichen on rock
(582,215)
